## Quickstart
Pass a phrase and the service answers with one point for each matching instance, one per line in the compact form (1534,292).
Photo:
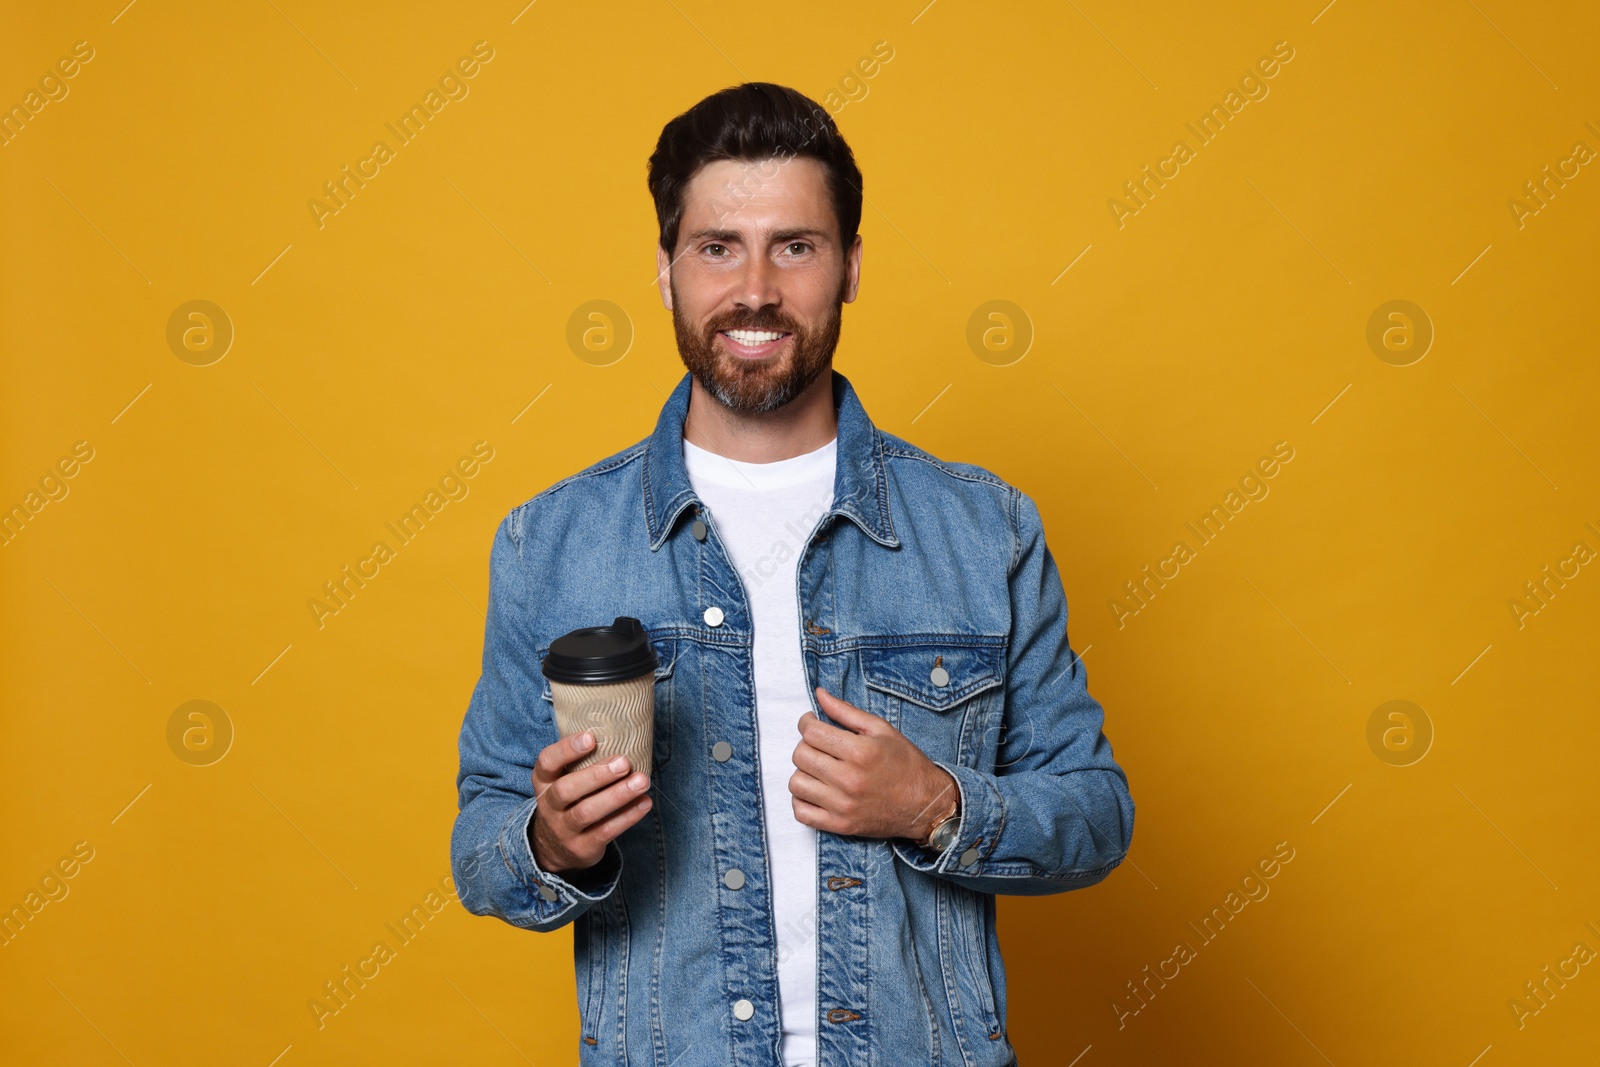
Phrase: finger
(575,785)
(811,815)
(613,825)
(814,791)
(848,714)
(556,756)
(592,809)
(827,737)
(815,762)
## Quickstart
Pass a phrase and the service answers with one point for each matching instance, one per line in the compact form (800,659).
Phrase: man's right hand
(579,812)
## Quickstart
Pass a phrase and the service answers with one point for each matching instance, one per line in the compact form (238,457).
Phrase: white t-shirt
(763,513)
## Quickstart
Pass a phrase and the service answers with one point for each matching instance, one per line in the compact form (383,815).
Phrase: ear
(852,271)
(664,276)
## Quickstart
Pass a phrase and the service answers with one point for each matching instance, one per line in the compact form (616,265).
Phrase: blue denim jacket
(919,562)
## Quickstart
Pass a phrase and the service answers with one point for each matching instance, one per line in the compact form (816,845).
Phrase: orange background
(1228,313)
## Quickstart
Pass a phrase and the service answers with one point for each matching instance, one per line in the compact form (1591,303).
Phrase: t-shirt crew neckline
(779,474)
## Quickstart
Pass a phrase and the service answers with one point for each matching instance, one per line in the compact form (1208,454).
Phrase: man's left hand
(866,780)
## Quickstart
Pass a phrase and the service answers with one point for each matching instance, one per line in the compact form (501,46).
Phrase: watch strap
(950,813)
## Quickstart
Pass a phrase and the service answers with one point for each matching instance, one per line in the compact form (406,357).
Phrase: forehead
(764,194)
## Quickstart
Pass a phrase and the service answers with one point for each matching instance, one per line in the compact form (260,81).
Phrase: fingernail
(637,782)
(584,740)
(618,763)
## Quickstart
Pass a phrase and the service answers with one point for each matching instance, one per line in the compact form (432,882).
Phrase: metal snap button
(939,677)
(548,894)
(721,751)
(734,879)
(969,857)
(698,529)
(713,616)
(743,1009)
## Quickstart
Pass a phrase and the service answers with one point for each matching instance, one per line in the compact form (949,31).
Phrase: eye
(709,247)
(799,244)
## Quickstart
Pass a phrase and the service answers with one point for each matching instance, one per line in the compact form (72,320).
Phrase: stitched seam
(1016,532)
(946,922)
(955,697)
(1000,797)
(632,453)
(881,474)
(658,1035)
(940,465)
(1030,871)
(977,957)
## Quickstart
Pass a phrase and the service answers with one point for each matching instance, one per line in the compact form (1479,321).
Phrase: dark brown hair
(752,122)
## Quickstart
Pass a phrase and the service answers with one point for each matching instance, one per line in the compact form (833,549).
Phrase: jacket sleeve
(507,724)
(1056,813)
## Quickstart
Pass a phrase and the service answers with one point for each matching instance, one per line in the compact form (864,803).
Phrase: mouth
(754,344)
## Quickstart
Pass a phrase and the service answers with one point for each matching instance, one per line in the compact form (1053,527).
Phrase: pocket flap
(912,672)
(666,655)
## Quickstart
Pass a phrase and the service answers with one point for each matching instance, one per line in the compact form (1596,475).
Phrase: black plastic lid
(596,655)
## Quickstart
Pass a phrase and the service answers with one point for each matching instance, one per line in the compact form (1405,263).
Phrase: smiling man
(869,720)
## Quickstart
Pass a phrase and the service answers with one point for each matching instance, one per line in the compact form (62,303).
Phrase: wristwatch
(944,828)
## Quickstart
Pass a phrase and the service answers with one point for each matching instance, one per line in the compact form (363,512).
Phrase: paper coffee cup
(602,679)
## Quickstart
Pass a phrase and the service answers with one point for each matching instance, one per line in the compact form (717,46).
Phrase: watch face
(943,835)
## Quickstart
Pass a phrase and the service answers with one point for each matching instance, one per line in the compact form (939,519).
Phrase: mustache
(754,320)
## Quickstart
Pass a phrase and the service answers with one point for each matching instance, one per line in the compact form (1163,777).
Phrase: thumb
(844,711)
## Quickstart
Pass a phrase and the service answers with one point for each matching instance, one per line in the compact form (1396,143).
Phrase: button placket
(734,878)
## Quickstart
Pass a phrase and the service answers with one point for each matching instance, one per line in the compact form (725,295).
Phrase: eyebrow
(734,236)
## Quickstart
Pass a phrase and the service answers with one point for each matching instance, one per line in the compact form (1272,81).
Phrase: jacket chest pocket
(666,649)
(940,692)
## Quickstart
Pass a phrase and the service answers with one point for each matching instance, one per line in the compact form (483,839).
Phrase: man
(868,718)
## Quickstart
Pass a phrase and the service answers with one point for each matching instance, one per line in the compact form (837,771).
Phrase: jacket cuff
(983,815)
(554,895)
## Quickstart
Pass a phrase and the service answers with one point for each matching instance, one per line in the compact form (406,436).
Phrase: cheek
(814,299)
(700,295)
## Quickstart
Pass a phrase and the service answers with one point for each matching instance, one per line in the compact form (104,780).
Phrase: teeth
(753,337)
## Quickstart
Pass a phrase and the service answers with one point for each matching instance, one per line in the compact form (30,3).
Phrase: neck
(803,425)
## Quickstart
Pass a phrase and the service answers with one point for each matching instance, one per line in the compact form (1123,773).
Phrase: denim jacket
(919,563)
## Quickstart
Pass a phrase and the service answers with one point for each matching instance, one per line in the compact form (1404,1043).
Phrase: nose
(759,288)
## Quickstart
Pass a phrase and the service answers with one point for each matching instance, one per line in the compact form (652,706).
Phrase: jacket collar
(860,490)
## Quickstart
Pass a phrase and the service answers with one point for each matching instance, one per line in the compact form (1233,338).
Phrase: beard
(757,386)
